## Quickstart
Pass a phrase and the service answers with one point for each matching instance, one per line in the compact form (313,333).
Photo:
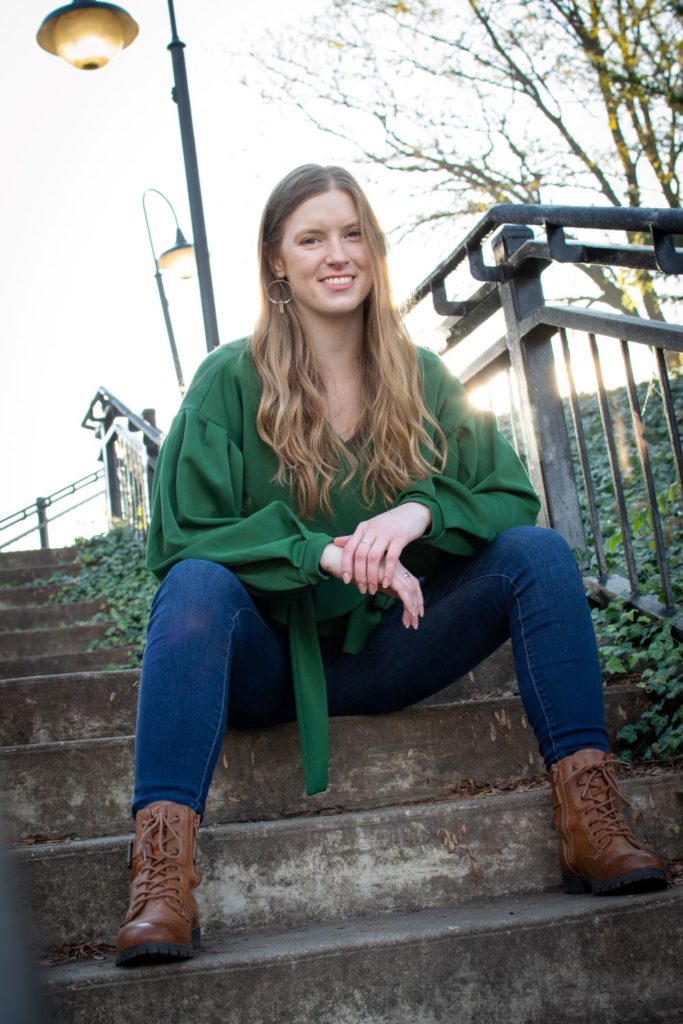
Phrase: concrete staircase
(423,887)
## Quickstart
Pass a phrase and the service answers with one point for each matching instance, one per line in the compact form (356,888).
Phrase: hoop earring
(281,301)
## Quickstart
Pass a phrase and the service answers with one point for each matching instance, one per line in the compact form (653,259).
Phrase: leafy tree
(478,101)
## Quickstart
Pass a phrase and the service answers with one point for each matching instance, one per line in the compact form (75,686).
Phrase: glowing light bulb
(87,34)
(179,261)
(88,39)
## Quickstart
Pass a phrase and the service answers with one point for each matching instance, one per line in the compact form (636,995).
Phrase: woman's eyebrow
(319,229)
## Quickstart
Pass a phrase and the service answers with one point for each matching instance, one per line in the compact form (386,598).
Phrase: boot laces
(158,851)
(602,796)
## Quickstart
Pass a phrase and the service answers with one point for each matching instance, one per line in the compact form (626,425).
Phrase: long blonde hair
(393,447)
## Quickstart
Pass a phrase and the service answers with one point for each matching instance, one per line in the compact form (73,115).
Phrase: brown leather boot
(598,851)
(162,922)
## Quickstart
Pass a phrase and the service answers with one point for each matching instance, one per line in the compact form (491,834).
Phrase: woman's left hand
(372,551)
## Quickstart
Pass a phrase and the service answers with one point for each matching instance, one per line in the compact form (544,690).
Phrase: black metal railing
(42,507)
(129,447)
(599,511)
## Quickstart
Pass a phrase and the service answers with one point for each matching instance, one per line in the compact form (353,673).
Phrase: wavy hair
(391,446)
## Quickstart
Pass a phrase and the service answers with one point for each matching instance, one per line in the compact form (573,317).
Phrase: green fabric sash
(310,692)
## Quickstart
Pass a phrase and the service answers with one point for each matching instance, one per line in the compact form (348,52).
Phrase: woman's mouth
(338,281)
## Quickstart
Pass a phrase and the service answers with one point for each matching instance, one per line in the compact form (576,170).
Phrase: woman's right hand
(404,586)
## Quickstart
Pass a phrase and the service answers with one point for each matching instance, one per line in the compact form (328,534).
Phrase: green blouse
(215,498)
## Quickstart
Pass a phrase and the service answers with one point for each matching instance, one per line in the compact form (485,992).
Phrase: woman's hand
(370,554)
(402,585)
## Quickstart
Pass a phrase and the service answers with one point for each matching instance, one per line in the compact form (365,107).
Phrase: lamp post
(88,34)
(179,259)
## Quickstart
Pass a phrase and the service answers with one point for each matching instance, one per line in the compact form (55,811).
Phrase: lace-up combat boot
(598,851)
(162,922)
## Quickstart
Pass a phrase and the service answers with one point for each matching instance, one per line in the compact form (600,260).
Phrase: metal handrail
(112,407)
(526,354)
(40,506)
(662,224)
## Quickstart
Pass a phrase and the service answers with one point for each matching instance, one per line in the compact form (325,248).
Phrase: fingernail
(346,577)
(373,590)
(362,588)
(385,583)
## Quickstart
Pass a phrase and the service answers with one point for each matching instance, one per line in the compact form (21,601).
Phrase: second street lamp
(178,260)
(88,33)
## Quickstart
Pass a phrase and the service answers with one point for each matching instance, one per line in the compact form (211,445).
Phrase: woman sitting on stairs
(338,532)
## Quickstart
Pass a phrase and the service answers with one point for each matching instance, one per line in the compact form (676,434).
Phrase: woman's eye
(309,240)
(354,233)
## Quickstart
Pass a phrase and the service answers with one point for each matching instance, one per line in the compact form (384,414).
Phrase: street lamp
(178,260)
(88,33)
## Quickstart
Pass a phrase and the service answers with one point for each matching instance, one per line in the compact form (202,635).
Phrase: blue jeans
(212,659)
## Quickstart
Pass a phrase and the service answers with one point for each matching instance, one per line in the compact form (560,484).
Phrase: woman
(338,532)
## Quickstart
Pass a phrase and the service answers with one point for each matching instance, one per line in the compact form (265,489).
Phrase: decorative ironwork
(129,448)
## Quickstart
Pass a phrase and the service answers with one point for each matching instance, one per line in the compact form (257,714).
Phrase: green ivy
(629,644)
(113,569)
(668,492)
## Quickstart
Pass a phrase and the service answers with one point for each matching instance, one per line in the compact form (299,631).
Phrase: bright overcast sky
(80,305)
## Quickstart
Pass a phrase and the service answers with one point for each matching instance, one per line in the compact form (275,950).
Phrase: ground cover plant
(113,568)
(632,645)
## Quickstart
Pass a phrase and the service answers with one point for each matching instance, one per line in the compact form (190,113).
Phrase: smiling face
(325,258)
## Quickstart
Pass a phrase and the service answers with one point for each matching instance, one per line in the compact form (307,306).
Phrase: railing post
(151,416)
(41,508)
(110,460)
(531,358)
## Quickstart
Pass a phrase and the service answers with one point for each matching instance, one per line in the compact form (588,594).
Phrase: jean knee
(539,548)
(198,594)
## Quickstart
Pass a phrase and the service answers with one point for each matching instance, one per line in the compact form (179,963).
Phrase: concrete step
(538,958)
(26,574)
(413,755)
(68,639)
(37,556)
(496,674)
(41,709)
(49,615)
(29,597)
(59,664)
(287,873)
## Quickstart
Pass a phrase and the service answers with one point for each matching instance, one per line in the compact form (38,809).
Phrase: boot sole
(645,880)
(158,952)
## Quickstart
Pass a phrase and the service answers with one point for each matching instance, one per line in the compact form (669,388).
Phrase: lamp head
(179,260)
(87,34)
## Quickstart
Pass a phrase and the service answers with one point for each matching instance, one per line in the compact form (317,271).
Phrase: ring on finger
(405,574)
(364,541)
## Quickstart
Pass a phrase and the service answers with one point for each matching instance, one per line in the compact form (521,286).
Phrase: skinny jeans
(213,660)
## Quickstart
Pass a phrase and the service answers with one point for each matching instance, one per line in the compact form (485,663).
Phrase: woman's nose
(335,252)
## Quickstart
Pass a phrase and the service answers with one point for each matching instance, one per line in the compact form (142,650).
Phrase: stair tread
(28,573)
(65,664)
(407,756)
(74,628)
(37,556)
(553,909)
(542,957)
(394,859)
(29,596)
(489,802)
(47,616)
